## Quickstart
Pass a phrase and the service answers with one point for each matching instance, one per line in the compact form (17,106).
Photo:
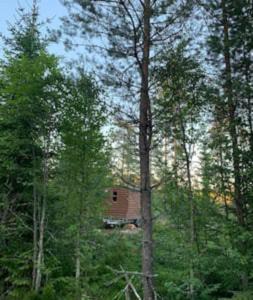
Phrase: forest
(159,101)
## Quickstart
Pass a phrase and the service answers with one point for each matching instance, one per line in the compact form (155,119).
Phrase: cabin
(122,207)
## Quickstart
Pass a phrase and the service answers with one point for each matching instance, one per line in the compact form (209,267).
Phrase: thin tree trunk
(78,239)
(250,123)
(40,246)
(35,226)
(35,237)
(80,217)
(249,101)
(78,260)
(145,130)
(193,238)
(223,184)
(175,162)
(232,120)
(42,220)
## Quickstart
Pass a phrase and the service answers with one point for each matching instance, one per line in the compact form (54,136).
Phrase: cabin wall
(118,209)
(133,211)
(126,204)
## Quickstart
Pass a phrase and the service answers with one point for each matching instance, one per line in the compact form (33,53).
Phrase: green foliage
(218,262)
(30,88)
(48,293)
(243,296)
(39,104)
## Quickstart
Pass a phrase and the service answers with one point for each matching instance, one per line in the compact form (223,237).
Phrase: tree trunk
(78,267)
(39,263)
(78,253)
(175,162)
(40,247)
(250,123)
(223,190)
(193,237)
(35,238)
(145,130)
(228,91)
(78,260)
(248,78)
(35,225)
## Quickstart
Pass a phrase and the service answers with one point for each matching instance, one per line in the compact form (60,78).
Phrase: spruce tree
(30,82)
(83,166)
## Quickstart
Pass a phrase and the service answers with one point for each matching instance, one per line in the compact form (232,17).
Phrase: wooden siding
(133,211)
(126,206)
(118,208)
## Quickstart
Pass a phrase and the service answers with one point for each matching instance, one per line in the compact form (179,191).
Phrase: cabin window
(114,196)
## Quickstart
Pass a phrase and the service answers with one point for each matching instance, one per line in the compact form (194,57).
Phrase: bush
(48,293)
(243,296)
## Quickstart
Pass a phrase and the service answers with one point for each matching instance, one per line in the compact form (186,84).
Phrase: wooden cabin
(122,207)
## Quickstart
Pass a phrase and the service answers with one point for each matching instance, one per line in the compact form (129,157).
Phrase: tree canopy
(162,124)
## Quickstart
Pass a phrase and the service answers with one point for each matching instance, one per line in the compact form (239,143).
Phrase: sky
(52,9)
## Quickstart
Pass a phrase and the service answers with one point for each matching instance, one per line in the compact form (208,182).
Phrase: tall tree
(30,81)
(178,110)
(83,165)
(229,40)
(133,32)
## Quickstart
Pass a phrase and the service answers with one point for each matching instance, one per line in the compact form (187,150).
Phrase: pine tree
(230,24)
(133,32)
(182,90)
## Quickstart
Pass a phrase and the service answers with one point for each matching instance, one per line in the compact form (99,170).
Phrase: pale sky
(52,9)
